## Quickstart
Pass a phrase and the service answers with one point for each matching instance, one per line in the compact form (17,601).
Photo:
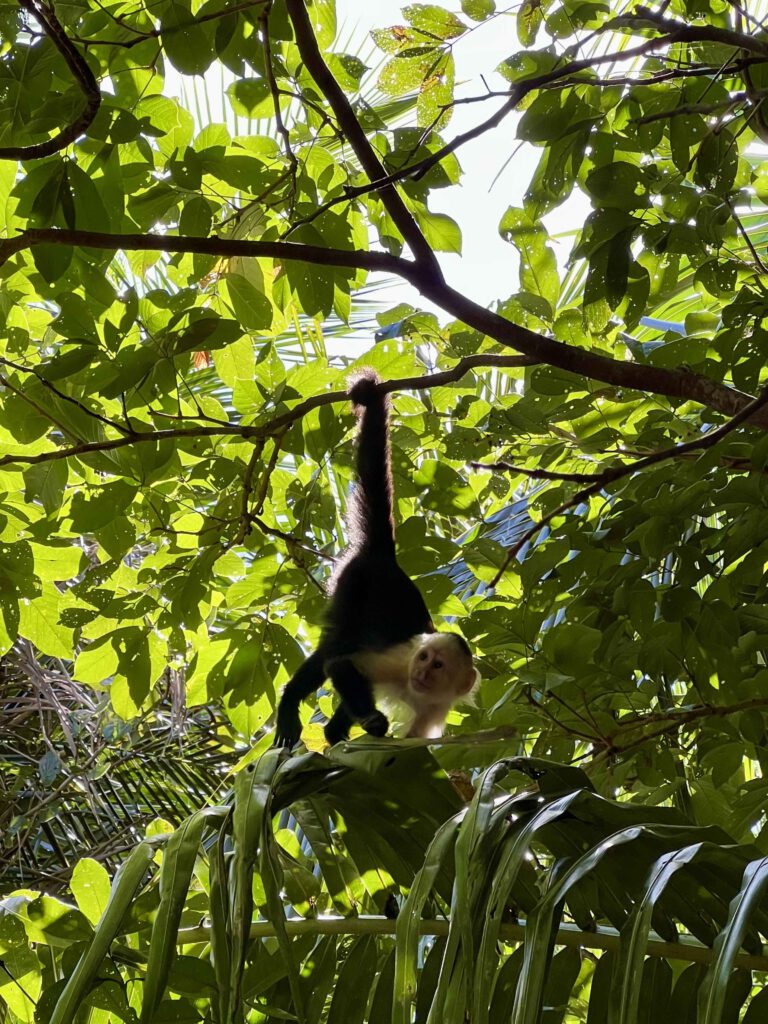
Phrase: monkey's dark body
(374,604)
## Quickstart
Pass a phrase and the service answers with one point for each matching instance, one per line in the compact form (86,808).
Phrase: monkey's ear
(469,687)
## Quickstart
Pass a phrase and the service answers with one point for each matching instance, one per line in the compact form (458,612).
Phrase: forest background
(205,208)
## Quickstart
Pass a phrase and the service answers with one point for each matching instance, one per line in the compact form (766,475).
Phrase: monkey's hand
(375,724)
(288,732)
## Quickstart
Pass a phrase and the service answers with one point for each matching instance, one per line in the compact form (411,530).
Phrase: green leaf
(441,231)
(187,42)
(355,977)
(250,97)
(529,18)
(40,622)
(434,21)
(47,482)
(249,302)
(538,269)
(407,71)
(478,10)
(99,506)
(90,886)
(572,645)
(717,162)
(127,880)
(618,184)
(179,856)
(207,333)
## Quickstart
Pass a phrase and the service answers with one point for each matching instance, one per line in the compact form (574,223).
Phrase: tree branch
(673,720)
(689,33)
(536,474)
(60,394)
(291,540)
(616,473)
(250,469)
(515,95)
(271,428)
(83,76)
(358,140)
(673,383)
(275,94)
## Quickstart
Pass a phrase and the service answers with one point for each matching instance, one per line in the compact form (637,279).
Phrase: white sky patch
(486,270)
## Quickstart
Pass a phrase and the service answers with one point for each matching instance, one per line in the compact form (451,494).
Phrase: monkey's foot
(335,732)
(375,724)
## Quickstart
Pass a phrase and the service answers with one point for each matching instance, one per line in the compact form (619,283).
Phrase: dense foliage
(175,449)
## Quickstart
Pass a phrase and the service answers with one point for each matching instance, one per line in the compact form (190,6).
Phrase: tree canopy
(580,469)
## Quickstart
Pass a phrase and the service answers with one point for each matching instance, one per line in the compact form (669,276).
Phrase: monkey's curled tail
(371,519)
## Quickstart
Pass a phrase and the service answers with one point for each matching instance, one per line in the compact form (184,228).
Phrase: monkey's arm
(305,681)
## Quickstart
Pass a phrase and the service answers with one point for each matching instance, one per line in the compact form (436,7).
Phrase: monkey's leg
(356,694)
(307,679)
(338,726)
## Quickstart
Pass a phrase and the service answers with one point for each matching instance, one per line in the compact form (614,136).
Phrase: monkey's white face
(440,670)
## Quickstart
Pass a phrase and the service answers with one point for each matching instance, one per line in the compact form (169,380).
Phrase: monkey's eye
(438,664)
(423,656)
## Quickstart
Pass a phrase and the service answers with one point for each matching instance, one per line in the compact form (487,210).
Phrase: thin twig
(292,540)
(250,469)
(261,494)
(155,33)
(515,96)
(745,235)
(535,474)
(270,428)
(674,720)
(687,109)
(617,472)
(275,93)
(40,409)
(60,394)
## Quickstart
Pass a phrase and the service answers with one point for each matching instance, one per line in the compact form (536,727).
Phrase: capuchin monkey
(378,639)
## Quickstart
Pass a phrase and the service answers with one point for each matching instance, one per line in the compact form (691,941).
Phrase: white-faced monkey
(378,638)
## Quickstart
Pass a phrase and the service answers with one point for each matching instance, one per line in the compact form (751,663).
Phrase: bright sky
(486,270)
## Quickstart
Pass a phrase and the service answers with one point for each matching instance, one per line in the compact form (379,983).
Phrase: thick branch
(355,259)
(691,33)
(84,77)
(680,384)
(358,140)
